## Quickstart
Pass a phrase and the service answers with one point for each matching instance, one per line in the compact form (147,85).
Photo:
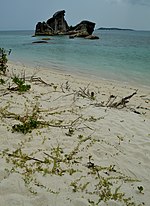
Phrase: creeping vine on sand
(86,177)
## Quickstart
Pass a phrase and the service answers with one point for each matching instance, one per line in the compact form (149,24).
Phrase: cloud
(141,2)
(135,2)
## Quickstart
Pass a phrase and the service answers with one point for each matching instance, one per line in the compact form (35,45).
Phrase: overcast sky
(24,14)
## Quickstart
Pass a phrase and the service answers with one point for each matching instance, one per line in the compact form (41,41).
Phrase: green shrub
(3,61)
(26,127)
(21,86)
(2,81)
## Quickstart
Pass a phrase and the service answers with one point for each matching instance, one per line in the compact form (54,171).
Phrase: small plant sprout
(92,96)
(55,88)
(70,132)
(140,189)
(120,139)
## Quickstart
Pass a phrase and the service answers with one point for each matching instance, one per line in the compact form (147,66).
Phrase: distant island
(113,28)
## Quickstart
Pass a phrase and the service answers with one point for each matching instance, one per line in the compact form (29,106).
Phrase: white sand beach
(71,141)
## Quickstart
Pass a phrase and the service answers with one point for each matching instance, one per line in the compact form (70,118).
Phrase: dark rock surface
(92,37)
(83,29)
(39,42)
(57,25)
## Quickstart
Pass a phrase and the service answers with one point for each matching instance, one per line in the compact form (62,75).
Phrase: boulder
(57,25)
(92,37)
(71,36)
(39,42)
(46,39)
(83,29)
(43,29)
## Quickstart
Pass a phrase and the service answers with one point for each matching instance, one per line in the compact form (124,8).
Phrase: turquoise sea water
(117,55)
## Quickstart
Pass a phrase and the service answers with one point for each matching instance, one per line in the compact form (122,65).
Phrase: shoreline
(110,58)
(83,75)
(109,87)
(64,142)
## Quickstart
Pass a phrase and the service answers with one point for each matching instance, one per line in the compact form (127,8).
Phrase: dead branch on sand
(122,103)
(39,80)
(111,103)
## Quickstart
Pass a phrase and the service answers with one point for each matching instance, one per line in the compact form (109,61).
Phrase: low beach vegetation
(43,124)
(21,86)
(3,61)
(2,81)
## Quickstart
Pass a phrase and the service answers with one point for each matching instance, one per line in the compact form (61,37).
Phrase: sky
(24,14)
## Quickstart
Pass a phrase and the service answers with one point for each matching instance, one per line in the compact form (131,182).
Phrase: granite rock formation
(57,25)
(83,29)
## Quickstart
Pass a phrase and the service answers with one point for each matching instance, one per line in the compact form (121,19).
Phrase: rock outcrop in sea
(57,25)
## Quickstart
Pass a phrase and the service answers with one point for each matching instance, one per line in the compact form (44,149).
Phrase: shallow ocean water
(117,55)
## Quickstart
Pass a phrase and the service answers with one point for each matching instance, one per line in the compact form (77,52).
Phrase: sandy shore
(71,141)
